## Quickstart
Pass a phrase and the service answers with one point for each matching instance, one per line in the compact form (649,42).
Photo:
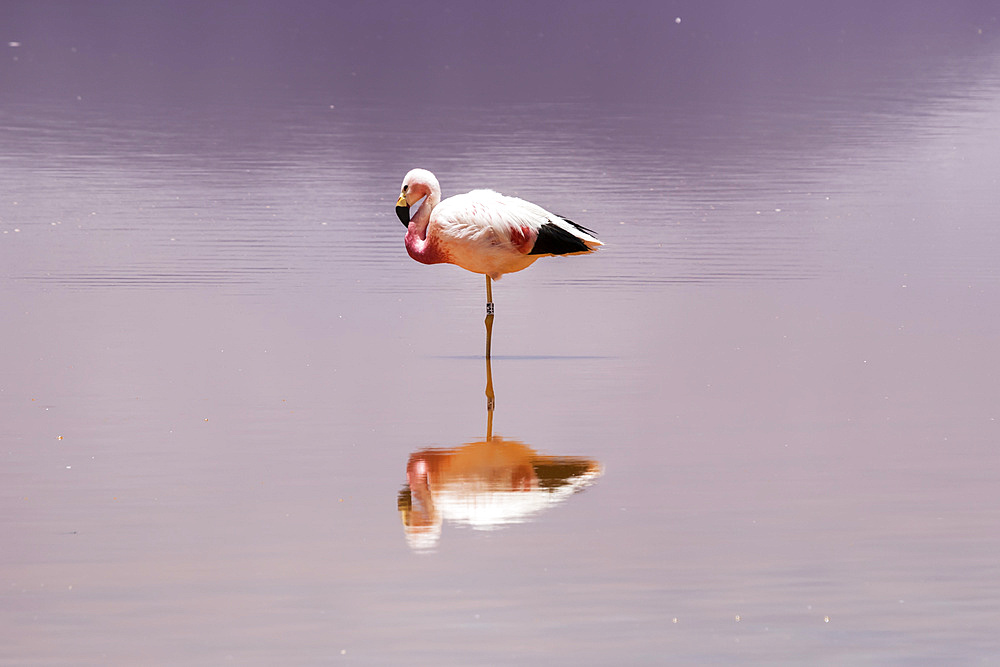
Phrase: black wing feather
(554,240)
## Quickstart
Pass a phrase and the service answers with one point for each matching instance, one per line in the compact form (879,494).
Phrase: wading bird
(483,231)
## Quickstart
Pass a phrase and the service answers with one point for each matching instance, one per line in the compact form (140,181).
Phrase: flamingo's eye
(404,187)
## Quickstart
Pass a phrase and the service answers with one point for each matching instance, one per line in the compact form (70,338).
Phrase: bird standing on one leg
(483,231)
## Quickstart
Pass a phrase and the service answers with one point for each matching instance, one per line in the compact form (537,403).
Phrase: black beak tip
(403,213)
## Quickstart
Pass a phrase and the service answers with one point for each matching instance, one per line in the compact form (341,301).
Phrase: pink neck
(424,250)
(418,245)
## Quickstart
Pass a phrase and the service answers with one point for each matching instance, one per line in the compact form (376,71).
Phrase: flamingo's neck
(418,245)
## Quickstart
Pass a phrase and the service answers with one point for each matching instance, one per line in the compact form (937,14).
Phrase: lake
(760,426)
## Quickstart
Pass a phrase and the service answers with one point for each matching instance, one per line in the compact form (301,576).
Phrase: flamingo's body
(483,231)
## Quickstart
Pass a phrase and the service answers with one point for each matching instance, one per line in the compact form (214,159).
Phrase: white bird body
(483,231)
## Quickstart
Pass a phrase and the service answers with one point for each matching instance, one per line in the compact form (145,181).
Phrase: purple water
(759,427)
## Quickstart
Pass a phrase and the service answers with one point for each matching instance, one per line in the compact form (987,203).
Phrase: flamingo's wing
(486,216)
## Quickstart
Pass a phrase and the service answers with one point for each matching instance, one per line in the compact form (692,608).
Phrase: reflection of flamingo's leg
(490,401)
(490,396)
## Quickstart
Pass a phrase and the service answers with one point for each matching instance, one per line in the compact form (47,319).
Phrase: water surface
(759,427)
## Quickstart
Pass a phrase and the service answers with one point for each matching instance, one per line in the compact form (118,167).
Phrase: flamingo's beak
(403,211)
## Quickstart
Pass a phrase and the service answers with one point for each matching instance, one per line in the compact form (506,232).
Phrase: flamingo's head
(418,185)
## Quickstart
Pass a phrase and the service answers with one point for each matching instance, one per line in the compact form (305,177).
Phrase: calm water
(238,424)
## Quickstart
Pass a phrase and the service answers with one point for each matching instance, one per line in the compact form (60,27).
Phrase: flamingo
(483,231)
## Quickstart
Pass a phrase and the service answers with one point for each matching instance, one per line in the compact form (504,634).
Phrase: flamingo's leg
(490,398)
(489,296)
(489,316)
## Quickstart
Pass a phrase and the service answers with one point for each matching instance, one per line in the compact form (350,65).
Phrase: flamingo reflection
(487,484)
